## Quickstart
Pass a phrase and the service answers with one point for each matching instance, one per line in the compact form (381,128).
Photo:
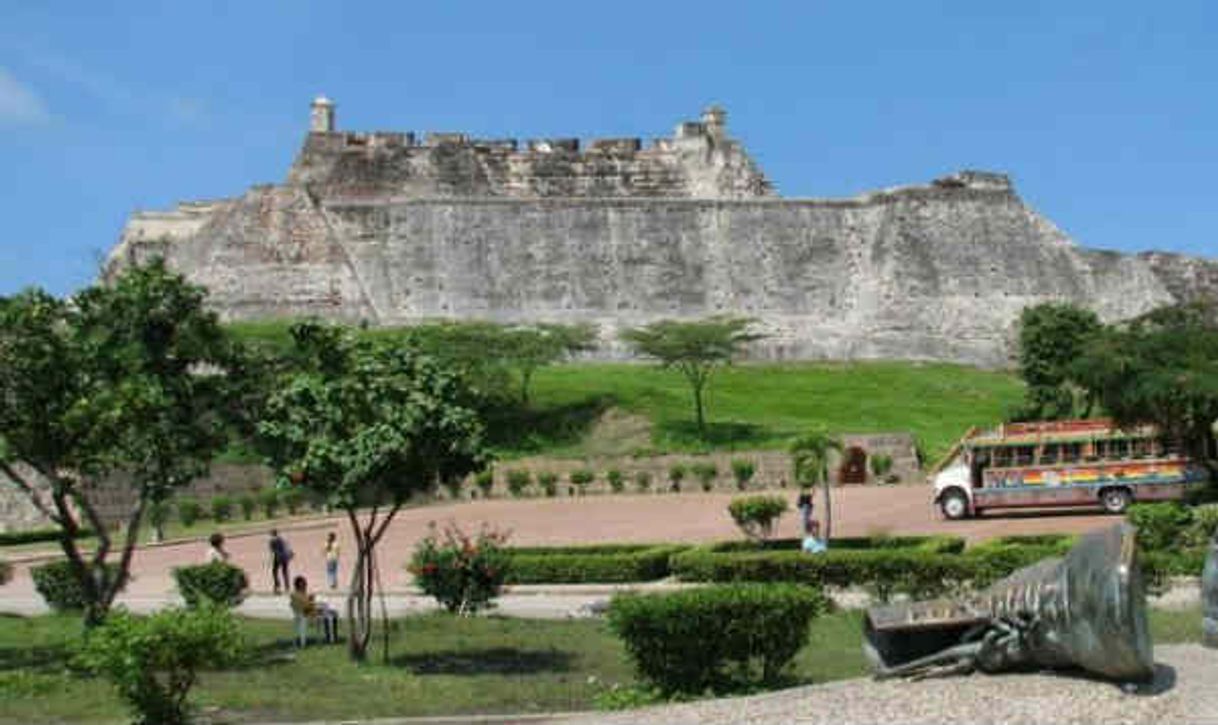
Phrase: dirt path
(858,511)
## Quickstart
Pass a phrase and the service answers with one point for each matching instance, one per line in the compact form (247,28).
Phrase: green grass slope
(764,405)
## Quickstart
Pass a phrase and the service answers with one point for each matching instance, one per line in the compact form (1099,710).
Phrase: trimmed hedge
(715,637)
(214,583)
(607,564)
(933,544)
(931,567)
(59,587)
(36,536)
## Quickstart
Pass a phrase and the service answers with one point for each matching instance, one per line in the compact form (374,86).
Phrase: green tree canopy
(694,349)
(368,424)
(1160,368)
(135,379)
(1052,336)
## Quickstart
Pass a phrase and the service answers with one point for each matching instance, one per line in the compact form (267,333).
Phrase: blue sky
(1105,113)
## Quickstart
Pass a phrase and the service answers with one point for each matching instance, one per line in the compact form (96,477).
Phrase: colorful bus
(1062,463)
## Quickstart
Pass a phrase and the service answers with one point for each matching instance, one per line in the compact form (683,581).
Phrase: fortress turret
(321,119)
(714,118)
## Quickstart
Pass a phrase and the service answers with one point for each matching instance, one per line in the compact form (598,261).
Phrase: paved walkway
(691,517)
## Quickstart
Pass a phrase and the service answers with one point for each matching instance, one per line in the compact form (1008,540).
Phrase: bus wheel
(954,504)
(1115,500)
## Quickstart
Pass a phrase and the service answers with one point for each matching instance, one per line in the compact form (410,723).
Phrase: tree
(527,348)
(134,379)
(1052,335)
(1162,369)
(695,349)
(368,424)
(810,465)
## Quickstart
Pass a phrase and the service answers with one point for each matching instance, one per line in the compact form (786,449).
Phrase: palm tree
(810,461)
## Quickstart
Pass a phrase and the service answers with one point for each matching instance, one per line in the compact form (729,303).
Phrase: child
(331,553)
(305,607)
(215,550)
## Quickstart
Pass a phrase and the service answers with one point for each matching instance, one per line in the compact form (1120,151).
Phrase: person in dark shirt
(281,554)
(804,505)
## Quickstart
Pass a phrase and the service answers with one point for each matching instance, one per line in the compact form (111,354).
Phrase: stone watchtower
(321,120)
(714,118)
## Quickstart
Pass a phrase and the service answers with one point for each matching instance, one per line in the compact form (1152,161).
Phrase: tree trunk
(698,410)
(828,510)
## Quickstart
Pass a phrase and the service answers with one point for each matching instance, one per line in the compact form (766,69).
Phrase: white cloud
(18,104)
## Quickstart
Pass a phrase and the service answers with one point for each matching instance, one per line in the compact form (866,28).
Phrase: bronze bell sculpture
(1209,596)
(1086,609)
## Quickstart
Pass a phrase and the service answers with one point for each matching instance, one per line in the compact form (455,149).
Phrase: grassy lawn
(764,405)
(438,665)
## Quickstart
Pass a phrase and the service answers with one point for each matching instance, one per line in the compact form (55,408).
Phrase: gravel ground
(1183,692)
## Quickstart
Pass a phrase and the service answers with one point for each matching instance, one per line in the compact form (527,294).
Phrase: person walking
(281,555)
(331,553)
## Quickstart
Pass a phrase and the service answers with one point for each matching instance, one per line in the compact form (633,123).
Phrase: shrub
(705,472)
(676,474)
(292,499)
(517,481)
(221,508)
(215,583)
(881,464)
(590,564)
(548,480)
(59,587)
(248,504)
(153,661)
(1159,525)
(1202,528)
(34,536)
(269,498)
(453,487)
(485,481)
(616,480)
(463,573)
(714,637)
(158,516)
(581,478)
(756,515)
(189,511)
(742,471)
(642,481)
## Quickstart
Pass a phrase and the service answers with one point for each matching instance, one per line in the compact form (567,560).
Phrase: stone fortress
(389,229)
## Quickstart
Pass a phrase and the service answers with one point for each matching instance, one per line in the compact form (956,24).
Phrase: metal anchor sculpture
(1086,610)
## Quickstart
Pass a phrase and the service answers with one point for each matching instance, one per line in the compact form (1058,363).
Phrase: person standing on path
(331,553)
(804,504)
(281,554)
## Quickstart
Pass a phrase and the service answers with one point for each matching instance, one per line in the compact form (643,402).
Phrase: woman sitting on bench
(305,607)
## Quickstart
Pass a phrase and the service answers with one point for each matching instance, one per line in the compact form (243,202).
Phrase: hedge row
(592,564)
(35,536)
(931,544)
(59,586)
(920,573)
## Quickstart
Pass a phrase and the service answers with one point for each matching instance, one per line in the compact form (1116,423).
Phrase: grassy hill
(588,409)
(763,405)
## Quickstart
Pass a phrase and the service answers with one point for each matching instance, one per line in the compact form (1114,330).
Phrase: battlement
(697,161)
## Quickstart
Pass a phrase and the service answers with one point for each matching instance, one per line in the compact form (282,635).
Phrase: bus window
(1025,455)
(1103,450)
(1050,453)
(1119,449)
(1071,452)
(1002,457)
(1170,447)
(1139,447)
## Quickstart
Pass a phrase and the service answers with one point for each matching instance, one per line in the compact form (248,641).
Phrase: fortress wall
(916,274)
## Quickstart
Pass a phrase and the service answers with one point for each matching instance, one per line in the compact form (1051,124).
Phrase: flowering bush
(463,573)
